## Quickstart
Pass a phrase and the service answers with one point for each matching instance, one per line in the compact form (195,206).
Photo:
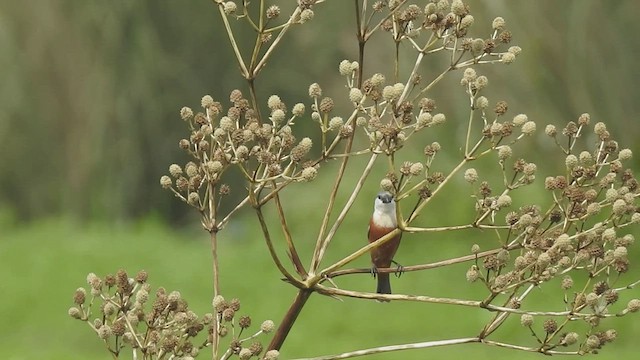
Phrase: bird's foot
(374,271)
(399,269)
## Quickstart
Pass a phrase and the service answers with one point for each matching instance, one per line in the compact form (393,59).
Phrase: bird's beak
(387,199)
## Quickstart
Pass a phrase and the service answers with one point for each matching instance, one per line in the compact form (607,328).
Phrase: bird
(383,221)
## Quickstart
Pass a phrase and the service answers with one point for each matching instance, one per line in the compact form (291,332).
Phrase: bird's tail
(384,285)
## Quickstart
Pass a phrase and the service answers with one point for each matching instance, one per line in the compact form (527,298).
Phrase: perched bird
(383,221)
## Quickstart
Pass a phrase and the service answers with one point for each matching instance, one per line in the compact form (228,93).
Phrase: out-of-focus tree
(89,89)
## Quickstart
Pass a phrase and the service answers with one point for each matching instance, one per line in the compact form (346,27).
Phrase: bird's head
(385,202)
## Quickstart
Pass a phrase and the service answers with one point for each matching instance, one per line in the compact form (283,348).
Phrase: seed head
(609,234)
(571,338)
(228,314)
(508,58)
(175,170)
(550,130)
(515,50)
(306,15)
(475,248)
(504,201)
(550,326)
(477,45)
(230,7)
(626,240)
(466,21)
(610,335)
(529,128)
(299,151)
(245,354)
(424,120)
(593,342)
(495,129)
(377,80)
(625,154)
(244,322)
(619,207)
(166,182)
(482,102)
(611,194)
(267,326)
(355,95)
(298,109)
(439,119)
(308,174)
(585,158)
(345,68)
(186,113)
(501,108)
(272,355)
(567,283)
(472,274)
(471,175)
(335,123)
(600,128)
(633,305)
(529,169)
(504,152)
(326,104)
(543,260)
(481,82)
(191,169)
(273,12)
(620,253)
(219,304)
(389,93)
(416,169)
(227,124)
(104,332)
(386,184)
(206,101)
(75,313)
(468,76)
(315,91)
(498,24)
(526,320)
(591,299)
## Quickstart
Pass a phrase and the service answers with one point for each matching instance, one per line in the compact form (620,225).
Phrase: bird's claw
(399,269)
(374,271)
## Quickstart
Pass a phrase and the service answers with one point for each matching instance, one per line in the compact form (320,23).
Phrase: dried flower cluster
(129,317)
(266,152)
(581,232)
(158,328)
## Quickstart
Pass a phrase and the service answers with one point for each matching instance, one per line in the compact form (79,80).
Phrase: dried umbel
(157,325)
(266,153)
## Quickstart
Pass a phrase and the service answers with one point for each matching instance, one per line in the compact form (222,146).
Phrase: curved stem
(383,349)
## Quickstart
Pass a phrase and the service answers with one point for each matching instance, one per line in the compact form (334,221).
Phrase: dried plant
(580,237)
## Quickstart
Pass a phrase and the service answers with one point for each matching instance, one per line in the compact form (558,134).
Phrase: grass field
(43,263)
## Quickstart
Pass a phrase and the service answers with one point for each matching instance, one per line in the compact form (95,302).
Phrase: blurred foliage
(91,90)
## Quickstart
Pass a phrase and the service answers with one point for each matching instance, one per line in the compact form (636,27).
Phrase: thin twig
(383,349)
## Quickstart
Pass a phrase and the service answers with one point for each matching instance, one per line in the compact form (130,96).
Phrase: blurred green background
(89,103)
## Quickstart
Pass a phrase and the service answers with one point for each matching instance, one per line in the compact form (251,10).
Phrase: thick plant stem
(289,319)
